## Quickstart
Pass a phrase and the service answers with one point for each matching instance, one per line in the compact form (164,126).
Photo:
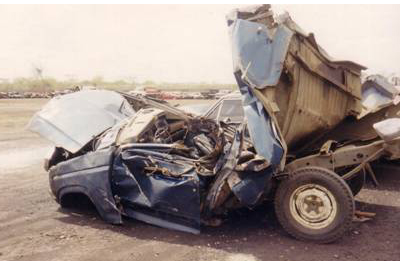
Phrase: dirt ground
(34,227)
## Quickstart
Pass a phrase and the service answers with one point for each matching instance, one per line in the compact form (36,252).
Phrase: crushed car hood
(72,120)
(257,62)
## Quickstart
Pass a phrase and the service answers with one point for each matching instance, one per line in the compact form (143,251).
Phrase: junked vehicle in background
(227,109)
(139,158)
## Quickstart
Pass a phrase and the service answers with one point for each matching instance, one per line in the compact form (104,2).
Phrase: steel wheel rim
(313,206)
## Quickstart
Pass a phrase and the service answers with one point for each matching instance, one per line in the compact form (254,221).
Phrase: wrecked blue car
(157,164)
(136,157)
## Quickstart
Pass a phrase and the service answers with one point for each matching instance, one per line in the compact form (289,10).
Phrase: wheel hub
(313,206)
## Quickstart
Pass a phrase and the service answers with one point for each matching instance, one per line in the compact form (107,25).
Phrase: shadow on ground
(258,233)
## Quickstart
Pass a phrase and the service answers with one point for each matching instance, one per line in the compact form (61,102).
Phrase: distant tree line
(48,84)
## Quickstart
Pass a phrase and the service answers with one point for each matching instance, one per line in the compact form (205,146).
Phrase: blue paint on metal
(71,121)
(259,125)
(259,52)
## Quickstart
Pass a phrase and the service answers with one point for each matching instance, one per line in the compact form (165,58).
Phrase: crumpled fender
(90,175)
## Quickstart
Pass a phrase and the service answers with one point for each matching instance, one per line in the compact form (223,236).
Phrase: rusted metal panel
(309,92)
(308,105)
(316,103)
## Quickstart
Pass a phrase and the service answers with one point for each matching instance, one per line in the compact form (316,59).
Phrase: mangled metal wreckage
(330,125)
(153,162)
(157,164)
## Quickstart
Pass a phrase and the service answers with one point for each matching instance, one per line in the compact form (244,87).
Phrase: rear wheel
(314,204)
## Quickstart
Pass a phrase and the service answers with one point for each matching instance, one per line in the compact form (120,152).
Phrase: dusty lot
(33,227)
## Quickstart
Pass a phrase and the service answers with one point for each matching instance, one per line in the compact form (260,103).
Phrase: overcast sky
(175,43)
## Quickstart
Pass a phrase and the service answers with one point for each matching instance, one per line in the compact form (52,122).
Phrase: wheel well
(77,200)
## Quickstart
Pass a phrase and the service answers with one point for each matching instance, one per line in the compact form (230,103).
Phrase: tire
(314,204)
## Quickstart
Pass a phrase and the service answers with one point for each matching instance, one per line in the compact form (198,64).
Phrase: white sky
(175,43)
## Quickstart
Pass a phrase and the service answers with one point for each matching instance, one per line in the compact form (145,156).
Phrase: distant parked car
(197,95)
(228,109)
(15,95)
